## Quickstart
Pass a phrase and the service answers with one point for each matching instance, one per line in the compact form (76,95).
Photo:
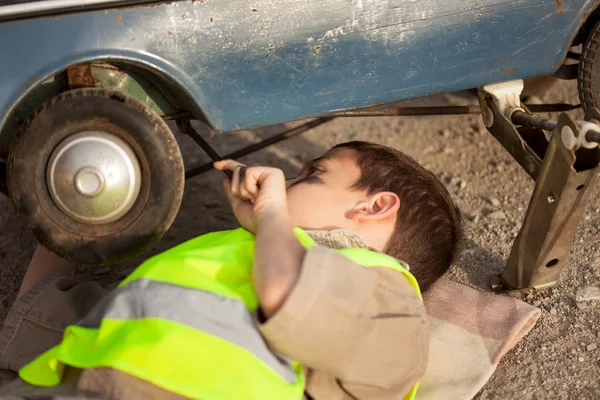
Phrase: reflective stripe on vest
(183,321)
(214,314)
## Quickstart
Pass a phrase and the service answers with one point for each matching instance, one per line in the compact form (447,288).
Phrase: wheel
(96,176)
(588,80)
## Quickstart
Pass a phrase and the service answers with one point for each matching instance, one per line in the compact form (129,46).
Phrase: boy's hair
(428,226)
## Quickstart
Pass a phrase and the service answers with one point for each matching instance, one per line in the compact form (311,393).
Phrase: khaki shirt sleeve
(363,327)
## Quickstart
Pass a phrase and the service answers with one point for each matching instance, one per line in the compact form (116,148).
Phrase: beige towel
(470,332)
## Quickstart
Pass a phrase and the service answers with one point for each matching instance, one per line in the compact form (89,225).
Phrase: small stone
(472,217)
(494,201)
(553,311)
(591,347)
(497,215)
(462,184)
(529,296)
(573,351)
(587,218)
(445,133)
(448,150)
(585,296)
(537,303)
(580,359)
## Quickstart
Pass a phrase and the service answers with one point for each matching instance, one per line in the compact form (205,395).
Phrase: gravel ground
(559,359)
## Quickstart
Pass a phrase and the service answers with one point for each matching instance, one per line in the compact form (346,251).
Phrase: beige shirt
(360,332)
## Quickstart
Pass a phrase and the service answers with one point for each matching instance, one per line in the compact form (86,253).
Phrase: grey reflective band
(217,315)
(48,5)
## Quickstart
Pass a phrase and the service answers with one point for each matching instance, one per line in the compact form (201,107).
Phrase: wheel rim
(94,177)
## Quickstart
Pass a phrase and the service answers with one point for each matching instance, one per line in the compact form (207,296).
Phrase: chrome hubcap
(94,177)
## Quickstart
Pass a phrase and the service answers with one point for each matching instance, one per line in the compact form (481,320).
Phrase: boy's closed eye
(309,173)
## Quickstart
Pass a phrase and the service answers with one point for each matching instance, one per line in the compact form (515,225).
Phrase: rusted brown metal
(555,210)
(177,115)
(80,75)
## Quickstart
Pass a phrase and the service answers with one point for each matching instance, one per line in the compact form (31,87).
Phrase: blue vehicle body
(240,64)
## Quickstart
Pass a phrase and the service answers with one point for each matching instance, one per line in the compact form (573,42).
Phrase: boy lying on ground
(267,311)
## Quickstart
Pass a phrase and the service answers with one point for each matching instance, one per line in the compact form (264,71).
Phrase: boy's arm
(258,198)
(362,330)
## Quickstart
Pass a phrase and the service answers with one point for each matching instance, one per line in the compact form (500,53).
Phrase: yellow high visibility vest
(183,321)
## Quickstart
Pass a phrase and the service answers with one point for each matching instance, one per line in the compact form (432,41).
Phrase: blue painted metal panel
(253,64)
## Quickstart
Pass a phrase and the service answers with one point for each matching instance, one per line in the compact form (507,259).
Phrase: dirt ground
(552,362)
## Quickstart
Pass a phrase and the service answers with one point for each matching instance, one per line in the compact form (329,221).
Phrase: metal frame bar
(444,110)
(290,133)
(186,128)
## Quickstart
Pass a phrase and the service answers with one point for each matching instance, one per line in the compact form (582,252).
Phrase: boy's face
(321,195)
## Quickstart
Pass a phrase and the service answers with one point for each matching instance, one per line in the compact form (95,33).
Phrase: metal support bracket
(563,172)
(555,210)
(498,103)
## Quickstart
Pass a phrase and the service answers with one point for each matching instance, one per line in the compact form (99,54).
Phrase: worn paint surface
(128,82)
(247,64)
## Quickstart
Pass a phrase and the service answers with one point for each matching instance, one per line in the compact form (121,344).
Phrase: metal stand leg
(555,210)
(564,170)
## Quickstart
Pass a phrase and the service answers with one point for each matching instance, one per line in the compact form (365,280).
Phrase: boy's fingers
(227,165)
(245,195)
(251,187)
(227,187)
(230,196)
(245,179)
(235,182)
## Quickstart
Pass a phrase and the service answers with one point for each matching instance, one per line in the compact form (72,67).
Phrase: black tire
(588,81)
(161,166)
(3,180)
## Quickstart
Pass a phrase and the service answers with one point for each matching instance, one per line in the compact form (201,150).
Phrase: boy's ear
(377,207)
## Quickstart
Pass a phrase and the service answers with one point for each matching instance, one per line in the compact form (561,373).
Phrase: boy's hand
(259,201)
(254,192)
